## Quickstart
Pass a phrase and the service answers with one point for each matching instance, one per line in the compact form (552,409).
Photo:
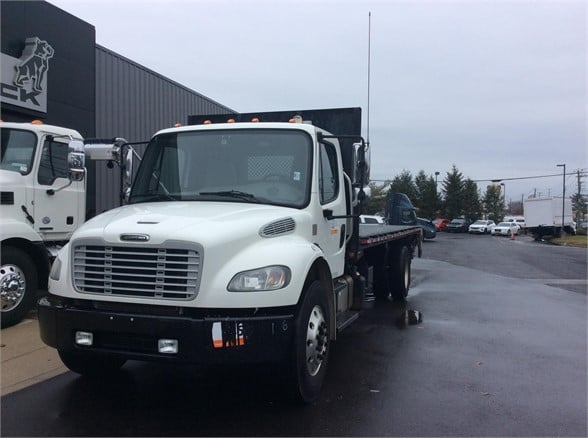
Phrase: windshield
(504,224)
(480,223)
(18,150)
(236,165)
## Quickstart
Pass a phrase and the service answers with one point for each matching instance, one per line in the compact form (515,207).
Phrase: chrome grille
(160,273)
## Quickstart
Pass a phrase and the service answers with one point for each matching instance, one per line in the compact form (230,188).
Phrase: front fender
(12,229)
(291,251)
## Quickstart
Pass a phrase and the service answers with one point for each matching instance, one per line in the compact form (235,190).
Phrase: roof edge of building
(162,77)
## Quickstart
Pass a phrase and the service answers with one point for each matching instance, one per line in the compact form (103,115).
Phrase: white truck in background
(543,216)
(241,243)
(43,201)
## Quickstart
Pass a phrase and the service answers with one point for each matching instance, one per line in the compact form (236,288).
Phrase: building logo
(24,80)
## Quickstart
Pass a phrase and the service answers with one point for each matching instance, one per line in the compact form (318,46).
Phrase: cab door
(331,232)
(59,204)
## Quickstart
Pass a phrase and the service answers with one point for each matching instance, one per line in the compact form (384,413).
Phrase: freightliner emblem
(134,237)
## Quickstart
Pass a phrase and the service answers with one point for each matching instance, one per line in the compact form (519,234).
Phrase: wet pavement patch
(409,317)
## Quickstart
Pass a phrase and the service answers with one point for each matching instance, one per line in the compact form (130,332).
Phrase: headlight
(262,279)
(55,270)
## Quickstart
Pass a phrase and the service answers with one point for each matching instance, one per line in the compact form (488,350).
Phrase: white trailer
(543,216)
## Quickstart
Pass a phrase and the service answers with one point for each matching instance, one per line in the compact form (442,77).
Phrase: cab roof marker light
(177,125)
(207,122)
(255,120)
(231,121)
(36,122)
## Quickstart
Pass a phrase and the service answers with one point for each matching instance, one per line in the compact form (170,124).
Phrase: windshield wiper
(234,194)
(151,197)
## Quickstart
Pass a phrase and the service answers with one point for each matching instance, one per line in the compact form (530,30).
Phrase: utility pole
(579,212)
(563,198)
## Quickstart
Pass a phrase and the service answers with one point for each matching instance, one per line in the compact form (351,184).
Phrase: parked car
(429,230)
(519,220)
(457,226)
(481,227)
(441,224)
(370,219)
(506,229)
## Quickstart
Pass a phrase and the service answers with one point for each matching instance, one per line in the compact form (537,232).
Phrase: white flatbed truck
(241,243)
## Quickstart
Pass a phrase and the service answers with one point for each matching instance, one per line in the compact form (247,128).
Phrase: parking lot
(501,351)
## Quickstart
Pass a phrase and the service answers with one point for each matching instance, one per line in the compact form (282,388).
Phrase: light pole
(563,196)
(504,193)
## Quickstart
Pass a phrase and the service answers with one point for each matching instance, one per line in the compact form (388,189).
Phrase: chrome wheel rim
(316,340)
(12,286)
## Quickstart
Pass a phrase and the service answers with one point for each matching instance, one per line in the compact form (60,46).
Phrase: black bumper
(135,335)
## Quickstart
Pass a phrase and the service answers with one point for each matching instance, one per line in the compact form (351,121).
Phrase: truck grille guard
(170,271)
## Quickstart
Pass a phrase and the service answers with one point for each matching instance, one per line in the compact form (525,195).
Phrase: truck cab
(42,203)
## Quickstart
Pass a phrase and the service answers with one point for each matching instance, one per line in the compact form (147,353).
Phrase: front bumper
(133,333)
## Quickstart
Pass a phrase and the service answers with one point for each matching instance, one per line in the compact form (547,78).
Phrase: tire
(310,349)
(18,285)
(400,274)
(90,364)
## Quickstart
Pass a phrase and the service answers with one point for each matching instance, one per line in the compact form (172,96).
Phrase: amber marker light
(231,121)
(36,122)
(255,120)
(207,122)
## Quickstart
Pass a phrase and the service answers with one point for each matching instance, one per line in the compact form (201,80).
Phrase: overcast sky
(497,88)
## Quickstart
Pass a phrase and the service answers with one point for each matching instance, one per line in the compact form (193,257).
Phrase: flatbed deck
(374,234)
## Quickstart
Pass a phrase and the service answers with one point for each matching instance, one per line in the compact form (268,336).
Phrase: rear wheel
(90,364)
(400,274)
(311,346)
(18,285)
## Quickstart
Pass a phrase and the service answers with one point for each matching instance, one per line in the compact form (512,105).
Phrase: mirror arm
(328,214)
(51,192)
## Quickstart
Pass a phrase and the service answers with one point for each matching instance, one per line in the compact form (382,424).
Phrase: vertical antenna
(368,77)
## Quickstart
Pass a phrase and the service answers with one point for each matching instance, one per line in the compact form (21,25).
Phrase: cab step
(346,318)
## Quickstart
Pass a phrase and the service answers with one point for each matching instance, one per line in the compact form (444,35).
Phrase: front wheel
(90,364)
(18,285)
(311,346)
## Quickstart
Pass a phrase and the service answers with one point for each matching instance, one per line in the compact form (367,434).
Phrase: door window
(329,175)
(53,162)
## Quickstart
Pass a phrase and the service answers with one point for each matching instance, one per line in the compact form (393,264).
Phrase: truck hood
(209,223)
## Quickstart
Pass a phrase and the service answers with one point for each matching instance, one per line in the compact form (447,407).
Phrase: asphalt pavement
(494,355)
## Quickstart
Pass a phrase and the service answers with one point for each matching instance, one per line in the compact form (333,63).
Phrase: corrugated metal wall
(134,102)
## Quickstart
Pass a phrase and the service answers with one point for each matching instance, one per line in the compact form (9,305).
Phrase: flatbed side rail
(367,240)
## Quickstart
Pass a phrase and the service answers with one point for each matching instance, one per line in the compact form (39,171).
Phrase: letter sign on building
(24,80)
